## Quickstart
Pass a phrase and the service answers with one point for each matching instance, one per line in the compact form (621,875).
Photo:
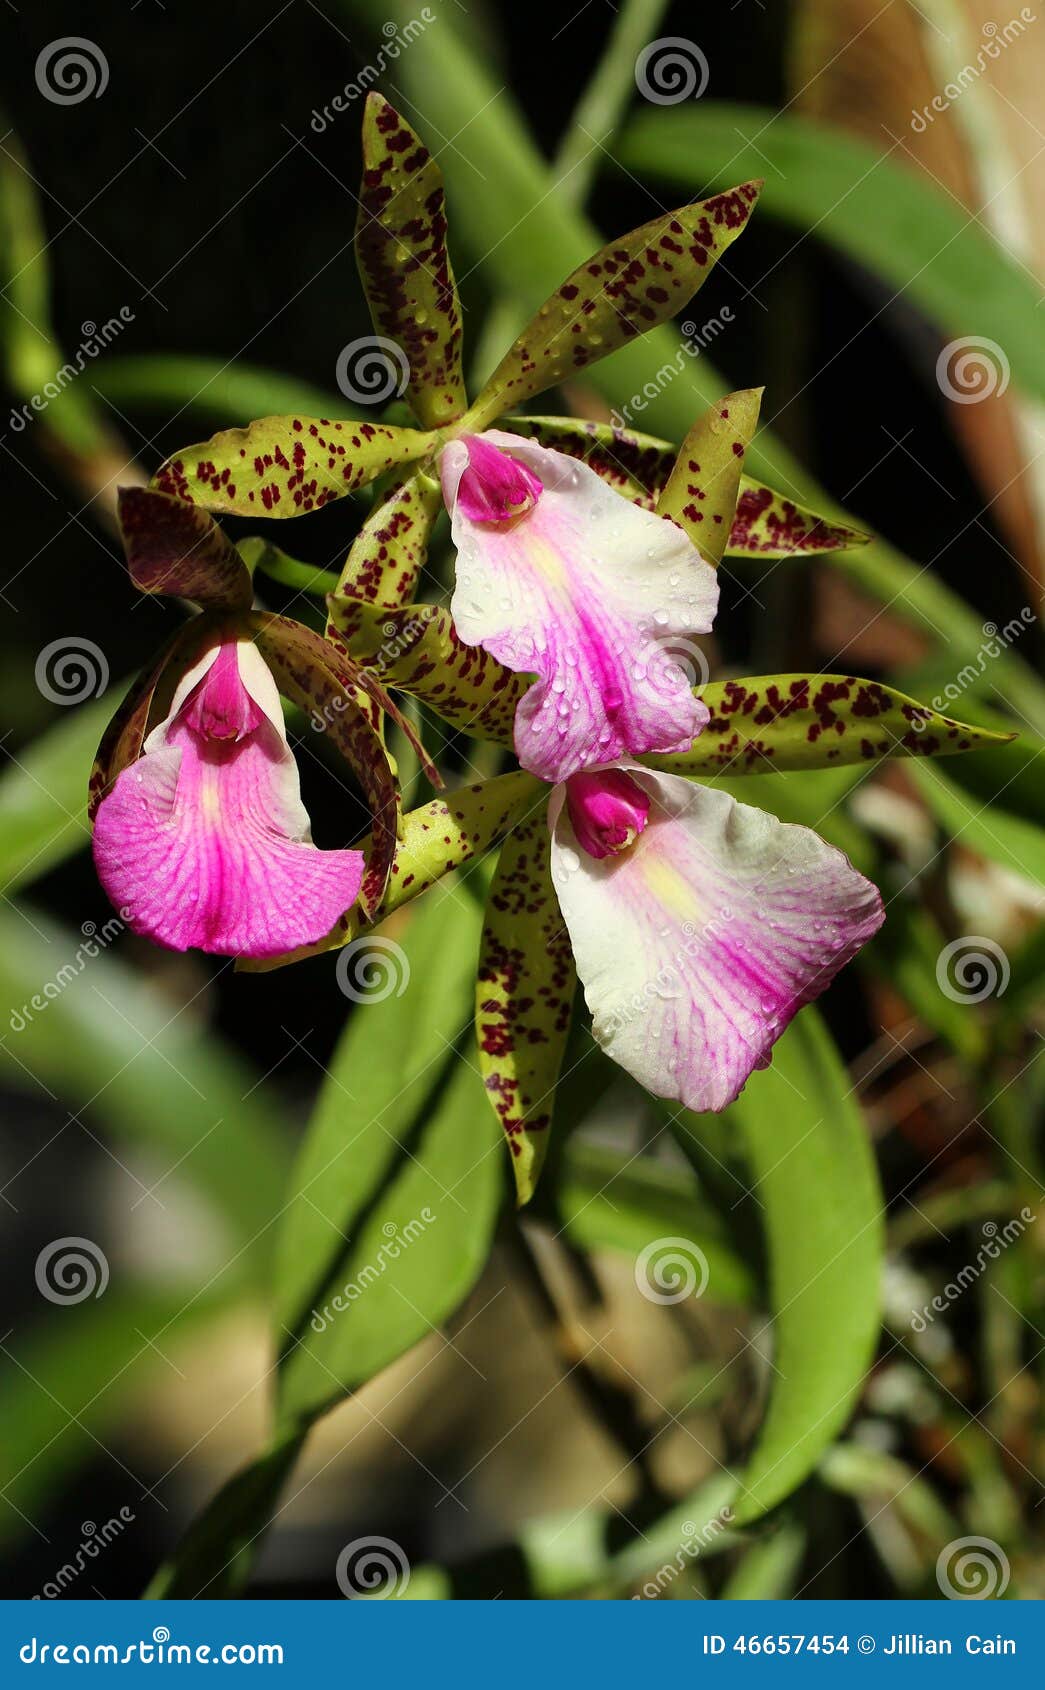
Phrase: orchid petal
(697,945)
(390,550)
(637,281)
(204,841)
(524,998)
(285,466)
(173,549)
(404,263)
(788,722)
(702,490)
(586,591)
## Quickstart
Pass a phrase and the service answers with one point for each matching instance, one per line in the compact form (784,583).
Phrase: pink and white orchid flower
(699,926)
(204,840)
(560,576)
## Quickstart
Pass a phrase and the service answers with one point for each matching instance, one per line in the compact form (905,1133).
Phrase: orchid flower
(563,573)
(200,834)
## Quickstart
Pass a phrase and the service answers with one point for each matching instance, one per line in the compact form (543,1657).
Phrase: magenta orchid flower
(560,576)
(204,841)
(699,926)
(200,834)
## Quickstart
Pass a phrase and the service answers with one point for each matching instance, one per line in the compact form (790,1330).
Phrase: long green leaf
(400,1178)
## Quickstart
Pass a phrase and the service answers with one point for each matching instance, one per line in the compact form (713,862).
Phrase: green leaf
(43,793)
(868,205)
(794,722)
(1007,839)
(285,466)
(209,387)
(608,1201)
(404,263)
(701,493)
(214,1558)
(769,1569)
(400,1178)
(112,1047)
(524,998)
(623,290)
(814,1175)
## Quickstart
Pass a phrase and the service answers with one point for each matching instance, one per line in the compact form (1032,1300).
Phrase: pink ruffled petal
(204,841)
(589,593)
(698,944)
